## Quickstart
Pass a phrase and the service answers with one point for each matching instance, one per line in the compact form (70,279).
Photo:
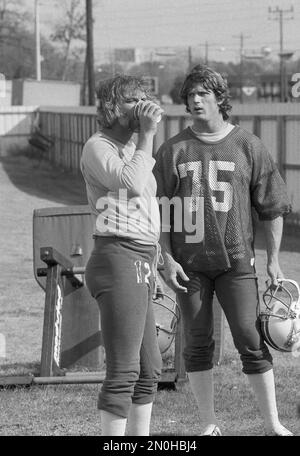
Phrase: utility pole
(37,41)
(206,52)
(241,37)
(190,58)
(279,16)
(90,52)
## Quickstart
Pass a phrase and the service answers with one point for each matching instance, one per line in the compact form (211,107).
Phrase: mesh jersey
(213,188)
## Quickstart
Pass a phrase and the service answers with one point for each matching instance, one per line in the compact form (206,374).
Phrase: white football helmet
(280,320)
(166,332)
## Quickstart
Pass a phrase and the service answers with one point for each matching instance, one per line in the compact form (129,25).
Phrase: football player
(215,173)
(117,167)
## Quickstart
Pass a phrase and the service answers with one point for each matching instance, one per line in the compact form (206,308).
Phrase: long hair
(112,92)
(210,80)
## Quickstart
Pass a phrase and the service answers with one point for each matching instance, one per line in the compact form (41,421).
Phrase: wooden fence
(15,126)
(277,124)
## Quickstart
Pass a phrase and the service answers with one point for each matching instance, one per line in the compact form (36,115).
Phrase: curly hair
(112,92)
(210,80)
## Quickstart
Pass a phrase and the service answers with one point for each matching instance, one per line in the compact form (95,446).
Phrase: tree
(53,62)
(17,47)
(71,30)
(16,44)
(175,90)
(11,13)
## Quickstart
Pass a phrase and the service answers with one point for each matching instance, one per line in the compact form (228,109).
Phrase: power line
(37,41)
(90,52)
(165,8)
(279,14)
(123,22)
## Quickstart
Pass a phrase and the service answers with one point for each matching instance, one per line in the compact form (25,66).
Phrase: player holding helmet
(220,172)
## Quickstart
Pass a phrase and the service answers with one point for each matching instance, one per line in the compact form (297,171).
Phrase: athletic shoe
(283,433)
(215,432)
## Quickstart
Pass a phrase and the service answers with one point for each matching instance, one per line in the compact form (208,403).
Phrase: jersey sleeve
(165,172)
(101,160)
(269,194)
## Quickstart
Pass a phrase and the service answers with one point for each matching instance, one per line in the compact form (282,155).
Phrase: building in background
(29,92)
(5,93)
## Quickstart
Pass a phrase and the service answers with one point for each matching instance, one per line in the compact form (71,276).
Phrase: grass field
(71,409)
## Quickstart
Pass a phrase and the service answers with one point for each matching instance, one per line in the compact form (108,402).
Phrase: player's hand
(274,271)
(171,272)
(148,114)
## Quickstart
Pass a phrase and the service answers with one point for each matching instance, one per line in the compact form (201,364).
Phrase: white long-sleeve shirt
(121,189)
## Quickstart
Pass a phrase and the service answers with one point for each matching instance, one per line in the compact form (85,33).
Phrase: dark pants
(238,296)
(119,274)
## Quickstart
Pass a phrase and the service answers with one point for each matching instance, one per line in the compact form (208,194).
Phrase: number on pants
(142,275)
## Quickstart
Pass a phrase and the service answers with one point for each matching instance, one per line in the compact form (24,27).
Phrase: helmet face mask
(166,332)
(280,319)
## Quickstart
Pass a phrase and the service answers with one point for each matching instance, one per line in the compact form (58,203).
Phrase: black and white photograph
(150,223)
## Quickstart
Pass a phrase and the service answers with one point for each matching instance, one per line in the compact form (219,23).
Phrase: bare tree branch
(70,30)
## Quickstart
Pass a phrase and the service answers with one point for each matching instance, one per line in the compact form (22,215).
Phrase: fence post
(2,86)
(257,126)
(281,145)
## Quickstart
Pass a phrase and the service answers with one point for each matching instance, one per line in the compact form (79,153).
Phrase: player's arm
(272,203)
(148,114)
(273,235)
(101,160)
(172,270)
(166,182)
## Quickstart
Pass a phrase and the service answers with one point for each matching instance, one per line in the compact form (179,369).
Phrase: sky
(167,24)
